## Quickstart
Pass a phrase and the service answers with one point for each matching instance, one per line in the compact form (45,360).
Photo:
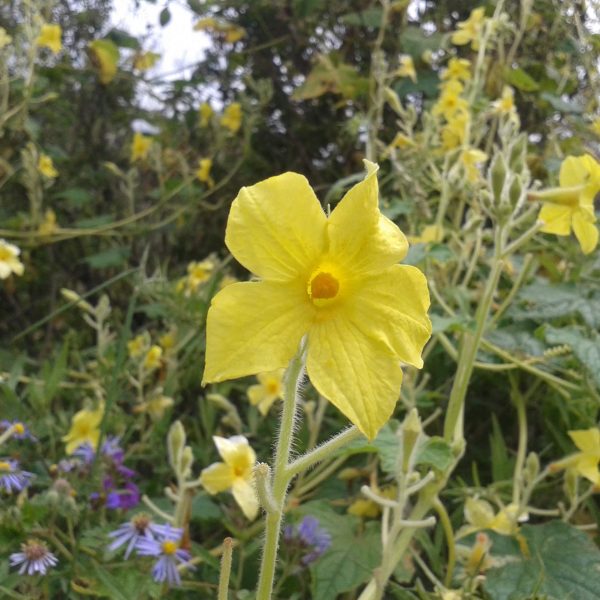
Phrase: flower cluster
(308,539)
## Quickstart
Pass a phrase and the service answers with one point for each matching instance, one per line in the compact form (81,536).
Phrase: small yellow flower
(477,558)
(470,30)
(470,159)
(145,60)
(140,146)
(198,272)
(334,280)
(450,103)
(205,112)
(84,429)
(105,57)
(5,39)
(234,473)
(167,341)
(155,406)
(268,389)
(153,358)
(457,68)
(9,260)
(406,68)
(402,141)
(48,225)
(138,345)
(203,171)
(232,117)
(430,234)
(479,515)
(46,167)
(50,37)
(505,105)
(369,509)
(584,463)
(230,32)
(571,206)
(454,132)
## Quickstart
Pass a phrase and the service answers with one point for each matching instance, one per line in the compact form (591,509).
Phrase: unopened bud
(411,432)
(515,191)
(392,99)
(186,460)
(175,444)
(497,175)
(532,466)
(518,155)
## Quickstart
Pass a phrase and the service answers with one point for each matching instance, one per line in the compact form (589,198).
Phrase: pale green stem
(519,402)
(225,569)
(7,434)
(515,288)
(523,239)
(293,378)
(450,540)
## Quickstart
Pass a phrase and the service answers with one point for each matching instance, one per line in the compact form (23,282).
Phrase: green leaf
(75,197)
(204,509)
(415,41)
(502,465)
(164,17)
(113,257)
(435,453)
(566,106)
(370,17)
(521,80)
(562,565)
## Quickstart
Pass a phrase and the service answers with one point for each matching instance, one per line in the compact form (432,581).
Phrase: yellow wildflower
(199,272)
(9,260)
(48,225)
(234,474)
(454,132)
(470,30)
(105,56)
(480,515)
(477,558)
(145,60)
(232,117)
(203,171)
(5,39)
(50,37)
(333,280)
(401,141)
(505,105)
(84,429)
(470,159)
(153,358)
(571,206)
(458,69)
(585,462)
(46,167)
(450,103)
(430,234)
(140,146)
(155,406)
(167,341)
(268,389)
(137,346)
(406,68)
(205,113)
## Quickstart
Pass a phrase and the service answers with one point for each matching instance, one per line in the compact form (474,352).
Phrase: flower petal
(360,237)
(587,440)
(575,170)
(391,308)
(357,374)
(254,327)
(236,452)
(276,228)
(245,495)
(585,231)
(217,477)
(556,218)
(587,466)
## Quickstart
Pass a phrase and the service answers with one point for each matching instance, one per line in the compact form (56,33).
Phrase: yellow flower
(155,407)
(145,60)
(167,341)
(584,463)
(571,206)
(268,389)
(454,132)
(140,146)
(48,225)
(203,171)
(50,37)
(9,260)
(470,159)
(84,429)
(457,68)
(450,103)
(46,167)
(105,56)
(231,33)
(402,141)
(234,474)
(205,113)
(362,507)
(480,515)
(153,358)
(137,346)
(471,29)
(431,233)
(406,68)
(332,279)
(5,39)
(198,273)
(232,117)
(505,105)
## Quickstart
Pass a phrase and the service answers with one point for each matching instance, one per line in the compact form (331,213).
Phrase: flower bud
(497,176)
(175,444)
(411,432)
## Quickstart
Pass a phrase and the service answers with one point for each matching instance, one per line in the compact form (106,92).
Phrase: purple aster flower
(33,558)
(85,452)
(20,430)
(11,477)
(310,537)
(112,450)
(169,553)
(140,527)
(125,498)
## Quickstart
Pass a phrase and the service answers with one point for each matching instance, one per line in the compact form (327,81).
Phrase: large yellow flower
(50,37)
(84,429)
(332,279)
(571,206)
(235,473)
(585,462)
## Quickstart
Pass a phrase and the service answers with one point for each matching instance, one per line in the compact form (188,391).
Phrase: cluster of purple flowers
(149,539)
(308,539)
(118,489)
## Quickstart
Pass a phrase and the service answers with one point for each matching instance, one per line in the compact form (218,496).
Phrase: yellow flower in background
(203,171)
(470,30)
(205,112)
(48,225)
(138,345)
(457,68)
(50,37)
(9,260)
(230,32)
(145,60)
(406,68)
(454,133)
(332,279)
(232,117)
(505,105)
(85,426)
(46,167)
(153,358)
(584,463)
(450,103)
(155,406)
(234,473)
(140,146)
(167,341)
(268,389)
(571,206)
(5,39)
(105,57)
(430,234)
(198,272)
(479,514)
(402,141)
(470,159)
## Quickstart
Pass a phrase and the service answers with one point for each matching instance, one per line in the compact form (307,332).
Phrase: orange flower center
(323,286)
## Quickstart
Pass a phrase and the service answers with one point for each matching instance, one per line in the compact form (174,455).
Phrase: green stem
(293,377)
(519,402)
(450,541)
(225,569)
